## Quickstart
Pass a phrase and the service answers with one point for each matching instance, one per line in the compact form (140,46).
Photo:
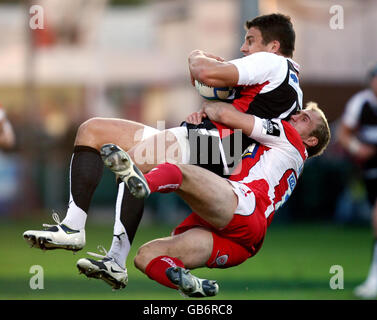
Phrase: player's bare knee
(144,255)
(88,131)
(149,251)
(140,262)
(144,167)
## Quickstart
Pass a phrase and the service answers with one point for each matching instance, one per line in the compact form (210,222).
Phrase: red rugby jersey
(271,166)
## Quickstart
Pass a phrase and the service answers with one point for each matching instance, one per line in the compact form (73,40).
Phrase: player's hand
(210,55)
(211,108)
(198,55)
(196,117)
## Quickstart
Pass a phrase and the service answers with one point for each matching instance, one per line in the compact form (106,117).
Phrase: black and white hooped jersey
(361,114)
(268,86)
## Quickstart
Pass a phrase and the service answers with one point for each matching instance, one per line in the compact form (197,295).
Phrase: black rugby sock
(86,173)
(128,213)
(132,210)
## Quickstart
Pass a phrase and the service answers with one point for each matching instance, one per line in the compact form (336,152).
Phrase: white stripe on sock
(120,248)
(75,217)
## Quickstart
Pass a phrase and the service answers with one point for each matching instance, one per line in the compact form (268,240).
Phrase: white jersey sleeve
(260,67)
(267,131)
(278,134)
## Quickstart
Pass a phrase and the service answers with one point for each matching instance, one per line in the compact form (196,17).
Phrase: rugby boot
(118,161)
(190,285)
(105,269)
(57,236)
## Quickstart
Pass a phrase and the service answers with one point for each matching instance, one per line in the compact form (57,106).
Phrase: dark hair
(278,27)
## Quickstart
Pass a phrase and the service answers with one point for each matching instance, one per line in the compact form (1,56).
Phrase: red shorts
(239,240)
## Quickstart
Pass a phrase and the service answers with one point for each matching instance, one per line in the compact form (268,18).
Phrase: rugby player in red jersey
(230,216)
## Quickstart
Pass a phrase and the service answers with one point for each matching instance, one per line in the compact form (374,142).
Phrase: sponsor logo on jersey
(222,260)
(292,181)
(251,151)
(294,77)
(271,128)
(293,81)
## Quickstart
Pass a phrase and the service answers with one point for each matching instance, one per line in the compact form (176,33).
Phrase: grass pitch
(294,263)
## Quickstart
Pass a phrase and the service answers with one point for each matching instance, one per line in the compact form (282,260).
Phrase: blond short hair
(321,132)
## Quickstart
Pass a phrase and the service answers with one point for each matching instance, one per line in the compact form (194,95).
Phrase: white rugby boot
(105,269)
(366,290)
(57,236)
(118,161)
(190,285)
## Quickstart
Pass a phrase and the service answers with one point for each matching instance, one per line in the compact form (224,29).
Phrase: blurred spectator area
(128,59)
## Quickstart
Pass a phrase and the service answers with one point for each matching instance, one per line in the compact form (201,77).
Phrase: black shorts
(209,152)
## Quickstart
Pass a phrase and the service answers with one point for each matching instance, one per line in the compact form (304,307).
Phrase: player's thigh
(193,247)
(159,148)
(226,253)
(208,195)
(96,132)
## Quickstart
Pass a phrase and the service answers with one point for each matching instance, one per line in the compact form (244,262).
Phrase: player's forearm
(212,70)
(348,140)
(200,66)
(226,114)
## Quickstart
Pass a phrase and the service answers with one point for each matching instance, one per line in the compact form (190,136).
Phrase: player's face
(254,43)
(305,121)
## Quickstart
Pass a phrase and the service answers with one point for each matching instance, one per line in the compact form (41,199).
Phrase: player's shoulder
(294,138)
(266,57)
(274,66)
(359,98)
(295,65)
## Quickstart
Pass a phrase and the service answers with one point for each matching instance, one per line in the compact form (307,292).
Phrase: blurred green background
(293,264)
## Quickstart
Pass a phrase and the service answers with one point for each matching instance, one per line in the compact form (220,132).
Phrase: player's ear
(274,46)
(311,141)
